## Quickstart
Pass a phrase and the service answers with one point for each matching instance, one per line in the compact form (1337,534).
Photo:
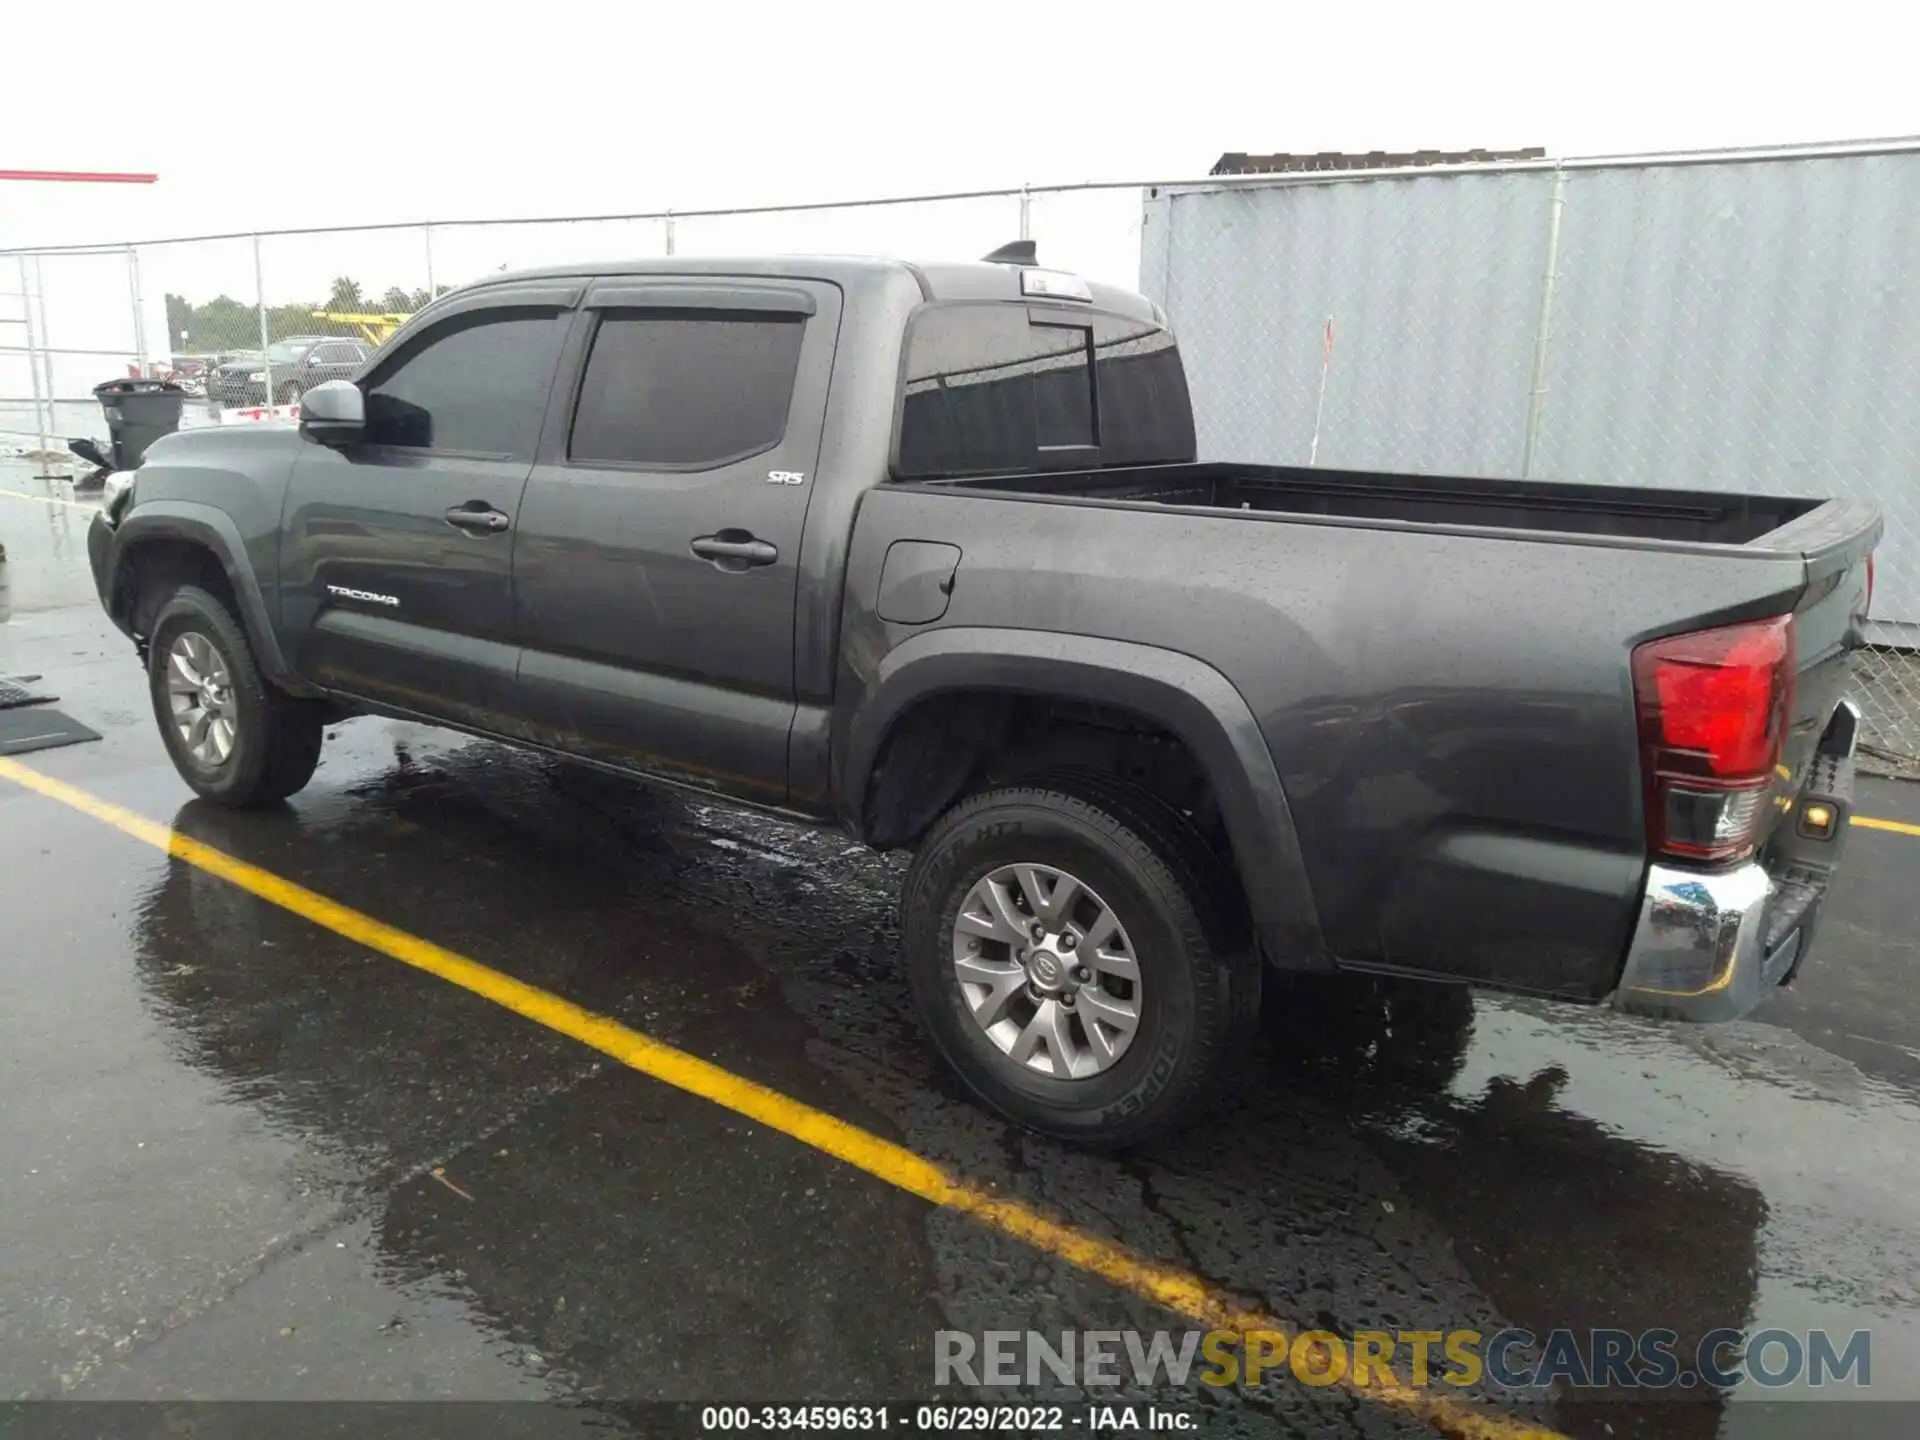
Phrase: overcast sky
(341,110)
(347,112)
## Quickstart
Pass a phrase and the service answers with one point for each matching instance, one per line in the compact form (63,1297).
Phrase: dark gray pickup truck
(924,551)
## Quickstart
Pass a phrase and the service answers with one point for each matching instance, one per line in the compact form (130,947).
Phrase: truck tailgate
(1836,542)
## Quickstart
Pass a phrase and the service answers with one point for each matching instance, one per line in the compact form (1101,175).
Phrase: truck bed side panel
(1451,714)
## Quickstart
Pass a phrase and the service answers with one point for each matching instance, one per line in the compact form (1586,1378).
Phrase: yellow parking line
(1166,1285)
(48,499)
(1898,827)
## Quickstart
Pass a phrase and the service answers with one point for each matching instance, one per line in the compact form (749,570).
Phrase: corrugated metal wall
(1739,324)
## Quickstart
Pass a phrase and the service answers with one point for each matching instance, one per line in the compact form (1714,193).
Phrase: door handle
(477,518)
(734,550)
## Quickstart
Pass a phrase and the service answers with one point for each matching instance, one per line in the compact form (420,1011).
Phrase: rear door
(656,552)
(397,558)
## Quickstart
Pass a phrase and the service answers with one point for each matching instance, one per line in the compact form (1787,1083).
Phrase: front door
(397,554)
(658,543)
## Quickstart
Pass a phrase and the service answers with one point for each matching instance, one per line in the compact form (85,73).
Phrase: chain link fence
(1736,322)
(1741,322)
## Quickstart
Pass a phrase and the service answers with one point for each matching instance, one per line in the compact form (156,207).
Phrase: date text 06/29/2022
(1090,1419)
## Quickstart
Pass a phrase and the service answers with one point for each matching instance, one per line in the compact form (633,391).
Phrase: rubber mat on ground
(18,690)
(24,730)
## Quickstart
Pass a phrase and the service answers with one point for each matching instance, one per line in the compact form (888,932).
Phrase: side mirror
(334,413)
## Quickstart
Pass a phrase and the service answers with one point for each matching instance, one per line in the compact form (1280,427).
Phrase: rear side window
(987,389)
(993,388)
(1146,415)
(685,388)
(477,387)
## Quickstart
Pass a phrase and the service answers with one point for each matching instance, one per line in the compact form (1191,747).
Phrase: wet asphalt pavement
(242,1157)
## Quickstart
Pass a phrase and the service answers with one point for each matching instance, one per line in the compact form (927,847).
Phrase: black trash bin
(139,412)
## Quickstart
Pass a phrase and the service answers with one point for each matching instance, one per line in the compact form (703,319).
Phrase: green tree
(225,324)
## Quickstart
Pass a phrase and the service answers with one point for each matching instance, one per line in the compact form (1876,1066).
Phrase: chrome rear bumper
(1710,944)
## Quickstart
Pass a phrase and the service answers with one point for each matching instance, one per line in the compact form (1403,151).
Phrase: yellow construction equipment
(376,328)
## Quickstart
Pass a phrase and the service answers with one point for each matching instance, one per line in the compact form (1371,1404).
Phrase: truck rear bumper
(1710,945)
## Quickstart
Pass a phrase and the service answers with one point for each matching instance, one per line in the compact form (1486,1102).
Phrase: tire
(275,739)
(1197,994)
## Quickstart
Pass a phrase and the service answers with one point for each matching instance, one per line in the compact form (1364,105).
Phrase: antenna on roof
(1015,252)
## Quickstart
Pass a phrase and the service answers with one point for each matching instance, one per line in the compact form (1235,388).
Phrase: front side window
(477,386)
(685,388)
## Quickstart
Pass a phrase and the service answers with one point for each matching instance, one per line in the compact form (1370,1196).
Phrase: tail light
(1714,708)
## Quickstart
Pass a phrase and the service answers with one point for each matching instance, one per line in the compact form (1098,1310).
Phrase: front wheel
(233,738)
(1075,961)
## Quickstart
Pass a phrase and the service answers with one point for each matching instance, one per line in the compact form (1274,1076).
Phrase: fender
(1190,698)
(212,530)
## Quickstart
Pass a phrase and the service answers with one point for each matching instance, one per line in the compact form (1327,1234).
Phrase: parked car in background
(288,370)
(190,372)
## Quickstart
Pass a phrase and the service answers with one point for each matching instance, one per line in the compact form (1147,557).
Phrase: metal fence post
(1537,395)
(1026,213)
(46,347)
(669,232)
(260,306)
(427,237)
(42,421)
(139,309)
(33,349)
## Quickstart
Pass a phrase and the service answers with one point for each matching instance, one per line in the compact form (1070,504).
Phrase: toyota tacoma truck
(925,551)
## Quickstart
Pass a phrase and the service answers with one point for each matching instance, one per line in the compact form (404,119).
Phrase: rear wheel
(233,738)
(1072,961)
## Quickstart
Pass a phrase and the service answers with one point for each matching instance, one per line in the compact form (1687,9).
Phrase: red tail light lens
(1714,709)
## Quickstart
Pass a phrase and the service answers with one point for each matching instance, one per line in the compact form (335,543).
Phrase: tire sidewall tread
(1144,859)
(277,739)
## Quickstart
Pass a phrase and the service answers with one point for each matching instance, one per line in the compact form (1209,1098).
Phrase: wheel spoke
(221,733)
(1003,982)
(181,676)
(1048,899)
(989,914)
(1112,962)
(1047,1028)
(1109,1012)
(197,731)
(1101,931)
(1004,911)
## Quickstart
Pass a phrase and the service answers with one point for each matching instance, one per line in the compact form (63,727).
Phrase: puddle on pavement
(1422,1162)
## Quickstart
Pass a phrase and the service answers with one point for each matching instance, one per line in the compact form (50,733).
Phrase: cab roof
(939,280)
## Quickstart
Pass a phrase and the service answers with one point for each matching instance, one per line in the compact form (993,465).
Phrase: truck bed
(1677,515)
(1439,667)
